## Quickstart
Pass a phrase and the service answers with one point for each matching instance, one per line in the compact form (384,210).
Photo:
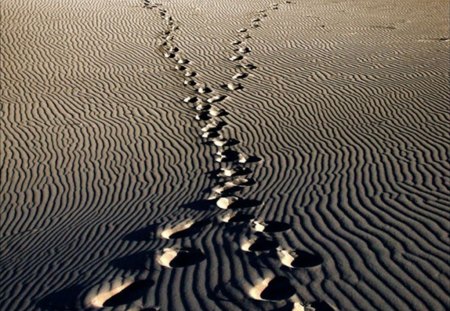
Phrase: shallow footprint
(129,294)
(183,229)
(180,257)
(234,217)
(259,243)
(118,292)
(272,289)
(298,258)
(269,226)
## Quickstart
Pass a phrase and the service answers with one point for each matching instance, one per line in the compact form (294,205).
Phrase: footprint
(248,66)
(118,292)
(183,229)
(241,75)
(213,125)
(189,82)
(259,243)
(191,99)
(216,112)
(202,106)
(203,89)
(182,61)
(269,226)
(179,67)
(298,259)
(216,98)
(169,55)
(232,86)
(233,171)
(245,158)
(272,289)
(227,202)
(235,216)
(190,73)
(202,116)
(234,57)
(225,188)
(225,155)
(180,257)
(210,134)
(131,293)
(244,50)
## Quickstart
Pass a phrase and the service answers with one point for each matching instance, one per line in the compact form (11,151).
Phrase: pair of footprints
(127,291)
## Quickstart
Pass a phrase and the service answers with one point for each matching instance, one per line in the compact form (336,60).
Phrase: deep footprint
(180,257)
(272,289)
(270,226)
(183,229)
(260,243)
(129,294)
(298,259)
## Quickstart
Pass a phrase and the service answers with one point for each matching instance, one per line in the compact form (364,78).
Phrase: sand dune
(224,155)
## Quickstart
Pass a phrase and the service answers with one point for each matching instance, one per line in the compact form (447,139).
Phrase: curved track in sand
(103,171)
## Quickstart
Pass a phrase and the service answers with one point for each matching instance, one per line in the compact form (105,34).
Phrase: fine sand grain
(224,155)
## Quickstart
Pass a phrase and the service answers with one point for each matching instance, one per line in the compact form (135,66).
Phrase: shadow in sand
(137,261)
(270,226)
(70,298)
(306,260)
(200,205)
(187,257)
(144,234)
(261,243)
(321,306)
(279,288)
(246,203)
(253,159)
(132,293)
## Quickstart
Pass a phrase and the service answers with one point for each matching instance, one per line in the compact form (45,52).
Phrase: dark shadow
(263,243)
(232,142)
(247,66)
(279,288)
(69,298)
(203,116)
(143,234)
(212,134)
(253,159)
(306,260)
(206,90)
(187,257)
(137,261)
(287,307)
(322,306)
(240,217)
(246,203)
(200,205)
(274,226)
(131,293)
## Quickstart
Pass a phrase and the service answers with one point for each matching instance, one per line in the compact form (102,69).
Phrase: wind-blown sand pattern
(224,155)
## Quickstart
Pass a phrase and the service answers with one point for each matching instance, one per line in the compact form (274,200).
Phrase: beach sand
(224,155)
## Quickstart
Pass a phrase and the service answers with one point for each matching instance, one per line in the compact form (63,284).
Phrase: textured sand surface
(335,148)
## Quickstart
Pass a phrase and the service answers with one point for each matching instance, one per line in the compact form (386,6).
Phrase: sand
(324,123)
